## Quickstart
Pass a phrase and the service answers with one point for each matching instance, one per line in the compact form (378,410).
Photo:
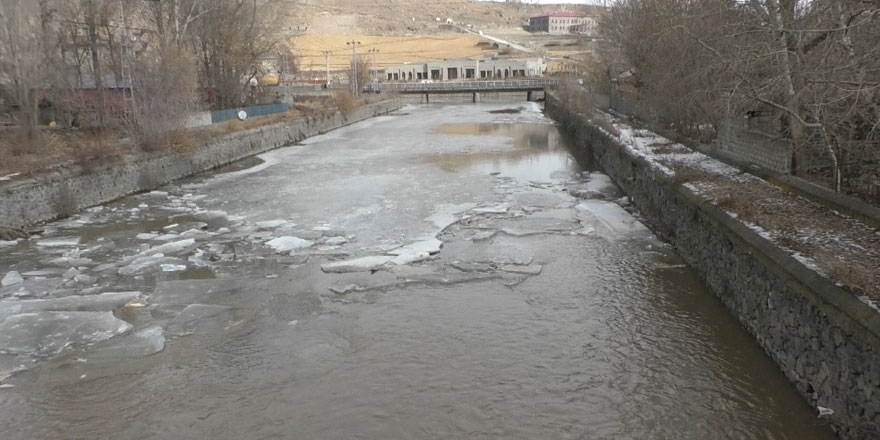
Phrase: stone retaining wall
(30,202)
(824,340)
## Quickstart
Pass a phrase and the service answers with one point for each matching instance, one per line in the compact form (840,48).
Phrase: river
(447,271)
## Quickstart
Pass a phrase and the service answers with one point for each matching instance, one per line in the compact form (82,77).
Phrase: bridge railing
(465,86)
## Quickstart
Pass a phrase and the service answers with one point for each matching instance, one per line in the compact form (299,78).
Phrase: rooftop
(562,14)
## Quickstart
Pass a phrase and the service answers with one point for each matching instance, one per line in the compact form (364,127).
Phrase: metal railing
(466,86)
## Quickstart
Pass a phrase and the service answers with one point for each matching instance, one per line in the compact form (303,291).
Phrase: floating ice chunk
(533,269)
(431,246)
(600,183)
(195,234)
(11,278)
(614,219)
(169,227)
(362,264)
(147,263)
(172,267)
(285,244)
(500,208)
(415,252)
(342,289)
(70,274)
(272,224)
(172,248)
(143,206)
(211,215)
(191,315)
(84,279)
(103,302)
(825,411)
(44,273)
(144,342)
(59,242)
(48,333)
(158,193)
(166,237)
(336,241)
(7,243)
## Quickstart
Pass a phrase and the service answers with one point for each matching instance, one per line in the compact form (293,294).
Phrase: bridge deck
(520,85)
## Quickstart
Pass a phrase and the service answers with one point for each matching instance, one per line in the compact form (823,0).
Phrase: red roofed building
(560,22)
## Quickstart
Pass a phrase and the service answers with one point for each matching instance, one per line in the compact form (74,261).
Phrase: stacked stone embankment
(823,338)
(63,193)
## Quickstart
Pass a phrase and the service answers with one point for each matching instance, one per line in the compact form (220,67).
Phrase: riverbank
(799,278)
(69,189)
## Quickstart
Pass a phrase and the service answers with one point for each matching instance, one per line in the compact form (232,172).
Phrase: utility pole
(375,67)
(327,60)
(354,65)
(129,109)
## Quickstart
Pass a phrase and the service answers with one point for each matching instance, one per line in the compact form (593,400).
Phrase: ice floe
(286,244)
(47,333)
(362,264)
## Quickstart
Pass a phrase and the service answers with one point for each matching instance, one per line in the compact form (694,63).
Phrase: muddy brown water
(549,312)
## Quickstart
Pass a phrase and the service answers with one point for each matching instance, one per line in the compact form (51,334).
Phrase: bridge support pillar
(427,100)
(529,96)
(476,97)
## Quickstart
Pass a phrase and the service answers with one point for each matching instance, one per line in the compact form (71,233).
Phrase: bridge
(475,87)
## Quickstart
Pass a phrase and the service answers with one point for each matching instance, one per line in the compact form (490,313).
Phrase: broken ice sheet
(103,302)
(143,342)
(47,333)
(284,245)
(362,264)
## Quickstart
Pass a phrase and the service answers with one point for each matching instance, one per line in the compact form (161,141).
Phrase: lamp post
(353,45)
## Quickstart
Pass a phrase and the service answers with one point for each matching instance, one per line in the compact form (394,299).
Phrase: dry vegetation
(807,70)
(845,249)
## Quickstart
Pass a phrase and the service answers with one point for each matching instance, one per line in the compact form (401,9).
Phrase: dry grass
(392,50)
(845,249)
(50,149)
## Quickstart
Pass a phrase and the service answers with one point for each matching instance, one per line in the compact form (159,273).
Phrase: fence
(252,111)
(753,147)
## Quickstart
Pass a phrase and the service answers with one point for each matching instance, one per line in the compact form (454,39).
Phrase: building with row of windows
(562,22)
(466,69)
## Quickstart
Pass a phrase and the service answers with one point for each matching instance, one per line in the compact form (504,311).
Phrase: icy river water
(449,271)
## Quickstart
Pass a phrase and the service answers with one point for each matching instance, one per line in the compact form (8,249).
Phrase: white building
(466,69)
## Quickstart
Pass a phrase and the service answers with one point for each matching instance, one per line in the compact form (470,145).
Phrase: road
(448,271)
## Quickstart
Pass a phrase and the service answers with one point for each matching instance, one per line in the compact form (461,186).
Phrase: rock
(11,278)
(12,234)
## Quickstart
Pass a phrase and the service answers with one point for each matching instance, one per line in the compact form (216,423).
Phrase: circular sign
(242,115)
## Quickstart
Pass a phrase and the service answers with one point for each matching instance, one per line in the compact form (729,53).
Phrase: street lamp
(353,45)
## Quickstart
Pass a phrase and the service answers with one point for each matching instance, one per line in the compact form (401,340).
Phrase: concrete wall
(823,339)
(751,147)
(29,202)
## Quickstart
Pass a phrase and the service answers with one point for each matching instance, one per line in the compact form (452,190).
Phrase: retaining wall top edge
(862,315)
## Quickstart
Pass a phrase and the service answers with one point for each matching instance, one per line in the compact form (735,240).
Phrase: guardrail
(467,86)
